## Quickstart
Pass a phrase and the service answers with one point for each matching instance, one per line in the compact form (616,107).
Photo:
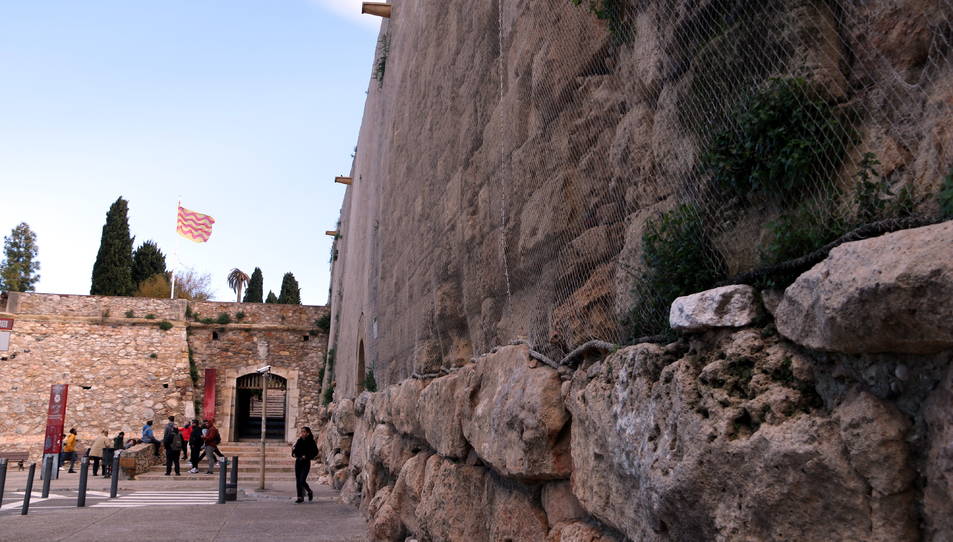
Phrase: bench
(19,457)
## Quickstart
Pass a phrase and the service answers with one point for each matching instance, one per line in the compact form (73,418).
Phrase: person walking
(69,449)
(305,450)
(96,452)
(196,442)
(172,442)
(212,440)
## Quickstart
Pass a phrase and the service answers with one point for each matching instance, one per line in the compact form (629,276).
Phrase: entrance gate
(248,406)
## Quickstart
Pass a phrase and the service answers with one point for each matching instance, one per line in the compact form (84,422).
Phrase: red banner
(208,404)
(55,419)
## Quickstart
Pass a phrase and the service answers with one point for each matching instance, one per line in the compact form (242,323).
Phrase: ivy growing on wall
(613,13)
(381,66)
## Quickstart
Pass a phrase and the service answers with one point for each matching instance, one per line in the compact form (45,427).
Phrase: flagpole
(175,252)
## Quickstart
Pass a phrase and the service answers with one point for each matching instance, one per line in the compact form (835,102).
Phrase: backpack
(176,442)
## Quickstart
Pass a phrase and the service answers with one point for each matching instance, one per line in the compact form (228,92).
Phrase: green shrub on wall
(786,141)
(679,259)
(370,383)
(165,325)
(613,13)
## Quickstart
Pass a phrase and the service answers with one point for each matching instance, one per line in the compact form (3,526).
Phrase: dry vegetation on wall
(597,158)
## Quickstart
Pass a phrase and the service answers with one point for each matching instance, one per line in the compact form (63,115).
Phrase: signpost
(55,420)
(6,326)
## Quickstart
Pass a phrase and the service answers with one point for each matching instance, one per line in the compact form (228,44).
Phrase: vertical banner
(208,404)
(55,419)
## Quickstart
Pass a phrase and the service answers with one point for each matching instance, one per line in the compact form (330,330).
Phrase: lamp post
(264,371)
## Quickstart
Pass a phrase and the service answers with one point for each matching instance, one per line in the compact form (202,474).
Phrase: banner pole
(175,251)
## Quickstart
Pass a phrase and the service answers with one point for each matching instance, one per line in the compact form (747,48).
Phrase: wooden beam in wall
(332,233)
(380,9)
(343,180)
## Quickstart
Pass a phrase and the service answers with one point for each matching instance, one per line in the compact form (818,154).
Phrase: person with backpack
(212,440)
(305,450)
(172,442)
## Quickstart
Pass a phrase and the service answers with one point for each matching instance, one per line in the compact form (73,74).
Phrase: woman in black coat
(305,450)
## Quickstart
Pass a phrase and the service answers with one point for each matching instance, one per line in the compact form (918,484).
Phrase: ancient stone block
(876,296)
(441,407)
(727,306)
(516,420)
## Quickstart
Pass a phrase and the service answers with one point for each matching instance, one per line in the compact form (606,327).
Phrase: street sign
(6,324)
(55,419)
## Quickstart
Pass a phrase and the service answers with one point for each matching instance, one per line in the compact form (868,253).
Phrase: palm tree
(237,280)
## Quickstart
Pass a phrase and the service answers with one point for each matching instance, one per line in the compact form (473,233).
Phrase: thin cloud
(350,10)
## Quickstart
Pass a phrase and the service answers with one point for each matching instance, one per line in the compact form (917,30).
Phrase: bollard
(3,477)
(83,475)
(231,489)
(29,490)
(47,475)
(222,467)
(114,481)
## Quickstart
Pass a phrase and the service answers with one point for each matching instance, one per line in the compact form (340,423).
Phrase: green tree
(253,294)
(290,292)
(19,267)
(237,280)
(271,297)
(147,261)
(112,272)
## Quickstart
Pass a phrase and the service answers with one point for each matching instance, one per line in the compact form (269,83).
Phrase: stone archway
(228,397)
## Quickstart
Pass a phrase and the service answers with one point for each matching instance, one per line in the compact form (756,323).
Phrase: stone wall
(124,370)
(501,184)
(757,424)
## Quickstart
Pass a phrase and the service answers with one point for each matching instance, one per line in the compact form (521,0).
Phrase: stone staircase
(279,465)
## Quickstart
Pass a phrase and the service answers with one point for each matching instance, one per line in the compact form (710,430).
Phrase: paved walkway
(175,509)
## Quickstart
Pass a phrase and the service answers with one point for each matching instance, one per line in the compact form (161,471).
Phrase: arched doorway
(361,370)
(248,407)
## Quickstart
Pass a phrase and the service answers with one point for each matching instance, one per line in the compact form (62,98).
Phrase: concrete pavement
(146,513)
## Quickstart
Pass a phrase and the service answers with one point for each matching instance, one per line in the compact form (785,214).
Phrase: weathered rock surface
(878,295)
(728,306)
(441,409)
(463,503)
(579,531)
(732,445)
(517,421)
(938,471)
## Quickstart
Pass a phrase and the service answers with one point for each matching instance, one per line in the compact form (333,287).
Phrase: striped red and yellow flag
(194,226)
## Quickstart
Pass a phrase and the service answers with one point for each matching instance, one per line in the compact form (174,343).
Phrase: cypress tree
(147,261)
(271,297)
(112,272)
(253,294)
(290,293)
(19,267)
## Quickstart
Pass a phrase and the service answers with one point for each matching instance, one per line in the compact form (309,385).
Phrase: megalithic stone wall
(513,152)
(777,416)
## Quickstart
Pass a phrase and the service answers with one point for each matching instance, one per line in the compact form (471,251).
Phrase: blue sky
(246,109)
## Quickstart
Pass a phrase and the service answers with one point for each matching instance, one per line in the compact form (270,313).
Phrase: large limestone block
(727,306)
(441,408)
(408,490)
(404,407)
(726,444)
(466,503)
(887,294)
(343,418)
(517,421)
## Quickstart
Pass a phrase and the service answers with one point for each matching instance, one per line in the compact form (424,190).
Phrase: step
(214,477)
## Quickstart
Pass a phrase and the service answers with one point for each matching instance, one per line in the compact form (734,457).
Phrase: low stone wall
(140,459)
(733,432)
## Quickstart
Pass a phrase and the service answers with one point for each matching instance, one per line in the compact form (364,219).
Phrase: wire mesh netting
(561,170)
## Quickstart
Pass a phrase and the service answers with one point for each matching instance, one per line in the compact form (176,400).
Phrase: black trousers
(96,461)
(195,456)
(302,468)
(171,458)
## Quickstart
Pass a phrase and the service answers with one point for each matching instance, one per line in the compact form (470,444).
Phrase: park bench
(19,457)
